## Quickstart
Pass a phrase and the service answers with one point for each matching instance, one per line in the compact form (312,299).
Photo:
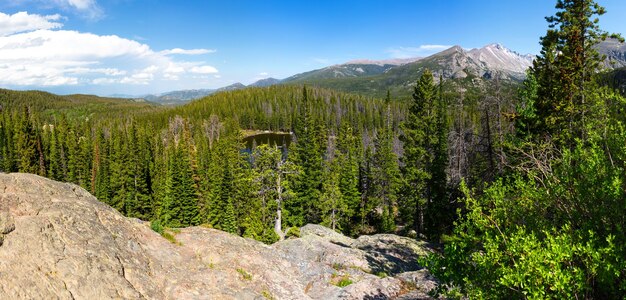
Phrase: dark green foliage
(28,145)
(334,210)
(348,156)
(564,71)
(308,154)
(180,206)
(553,227)
(156,226)
(425,135)
(419,137)
(184,166)
(385,178)
(439,211)
(562,240)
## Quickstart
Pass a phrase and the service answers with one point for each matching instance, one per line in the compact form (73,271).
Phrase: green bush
(560,239)
(293,232)
(156,226)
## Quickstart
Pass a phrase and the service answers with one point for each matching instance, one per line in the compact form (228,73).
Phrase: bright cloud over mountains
(35,51)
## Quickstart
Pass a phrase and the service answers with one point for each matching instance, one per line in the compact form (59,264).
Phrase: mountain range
(375,77)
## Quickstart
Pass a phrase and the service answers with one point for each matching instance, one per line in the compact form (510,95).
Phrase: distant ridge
(393,62)
(374,77)
(265,82)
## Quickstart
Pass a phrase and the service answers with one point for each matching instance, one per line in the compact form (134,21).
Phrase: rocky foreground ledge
(58,241)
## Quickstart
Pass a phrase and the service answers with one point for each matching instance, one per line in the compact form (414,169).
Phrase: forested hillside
(523,189)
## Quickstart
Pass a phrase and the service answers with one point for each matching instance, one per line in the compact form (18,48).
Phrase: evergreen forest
(520,185)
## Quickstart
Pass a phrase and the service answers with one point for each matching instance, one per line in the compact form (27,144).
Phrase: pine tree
(419,136)
(26,144)
(385,175)
(54,159)
(82,159)
(569,61)
(101,175)
(180,207)
(367,203)
(440,212)
(308,156)
(348,158)
(334,208)
(7,143)
(139,175)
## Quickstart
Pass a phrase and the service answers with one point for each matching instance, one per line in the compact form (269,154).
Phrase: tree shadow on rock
(391,259)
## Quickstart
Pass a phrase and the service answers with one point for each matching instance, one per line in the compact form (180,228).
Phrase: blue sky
(152,46)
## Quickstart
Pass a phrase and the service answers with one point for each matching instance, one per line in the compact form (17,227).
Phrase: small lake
(268,138)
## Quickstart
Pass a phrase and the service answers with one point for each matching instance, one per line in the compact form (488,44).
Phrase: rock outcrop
(59,242)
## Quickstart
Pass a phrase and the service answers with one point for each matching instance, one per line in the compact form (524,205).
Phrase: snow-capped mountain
(392,62)
(499,58)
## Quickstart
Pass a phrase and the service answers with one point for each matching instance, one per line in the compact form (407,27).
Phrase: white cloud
(22,21)
(187,52)
(87,8)
(103,71)
(420,51)
(44,57)
(203,70)
(264,74)
(104,80)
(81,4)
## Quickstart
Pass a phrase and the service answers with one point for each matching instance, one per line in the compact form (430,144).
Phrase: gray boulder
(62,243)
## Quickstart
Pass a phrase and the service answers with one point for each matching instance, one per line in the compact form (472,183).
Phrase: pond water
(269,138)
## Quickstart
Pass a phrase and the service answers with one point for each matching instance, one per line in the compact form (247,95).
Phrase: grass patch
(267,295)
(245,275)
(167,233)
(170,237)
(381,274)
(344,282)
(341,281)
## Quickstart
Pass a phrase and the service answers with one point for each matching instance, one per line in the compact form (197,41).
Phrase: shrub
(156,226)
(293,232)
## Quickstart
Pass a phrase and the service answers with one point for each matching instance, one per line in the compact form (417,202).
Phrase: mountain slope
(351,69)
(73,106)
(178,97)
(615,53)
(467,69)
(265,82)
(59,242)
(340,71)
(184,96)
(495,57)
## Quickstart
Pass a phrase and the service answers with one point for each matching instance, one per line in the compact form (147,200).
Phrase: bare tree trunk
(278,223)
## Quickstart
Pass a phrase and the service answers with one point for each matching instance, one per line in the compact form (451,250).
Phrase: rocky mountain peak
(392,62)
(497,58)
(451,51)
